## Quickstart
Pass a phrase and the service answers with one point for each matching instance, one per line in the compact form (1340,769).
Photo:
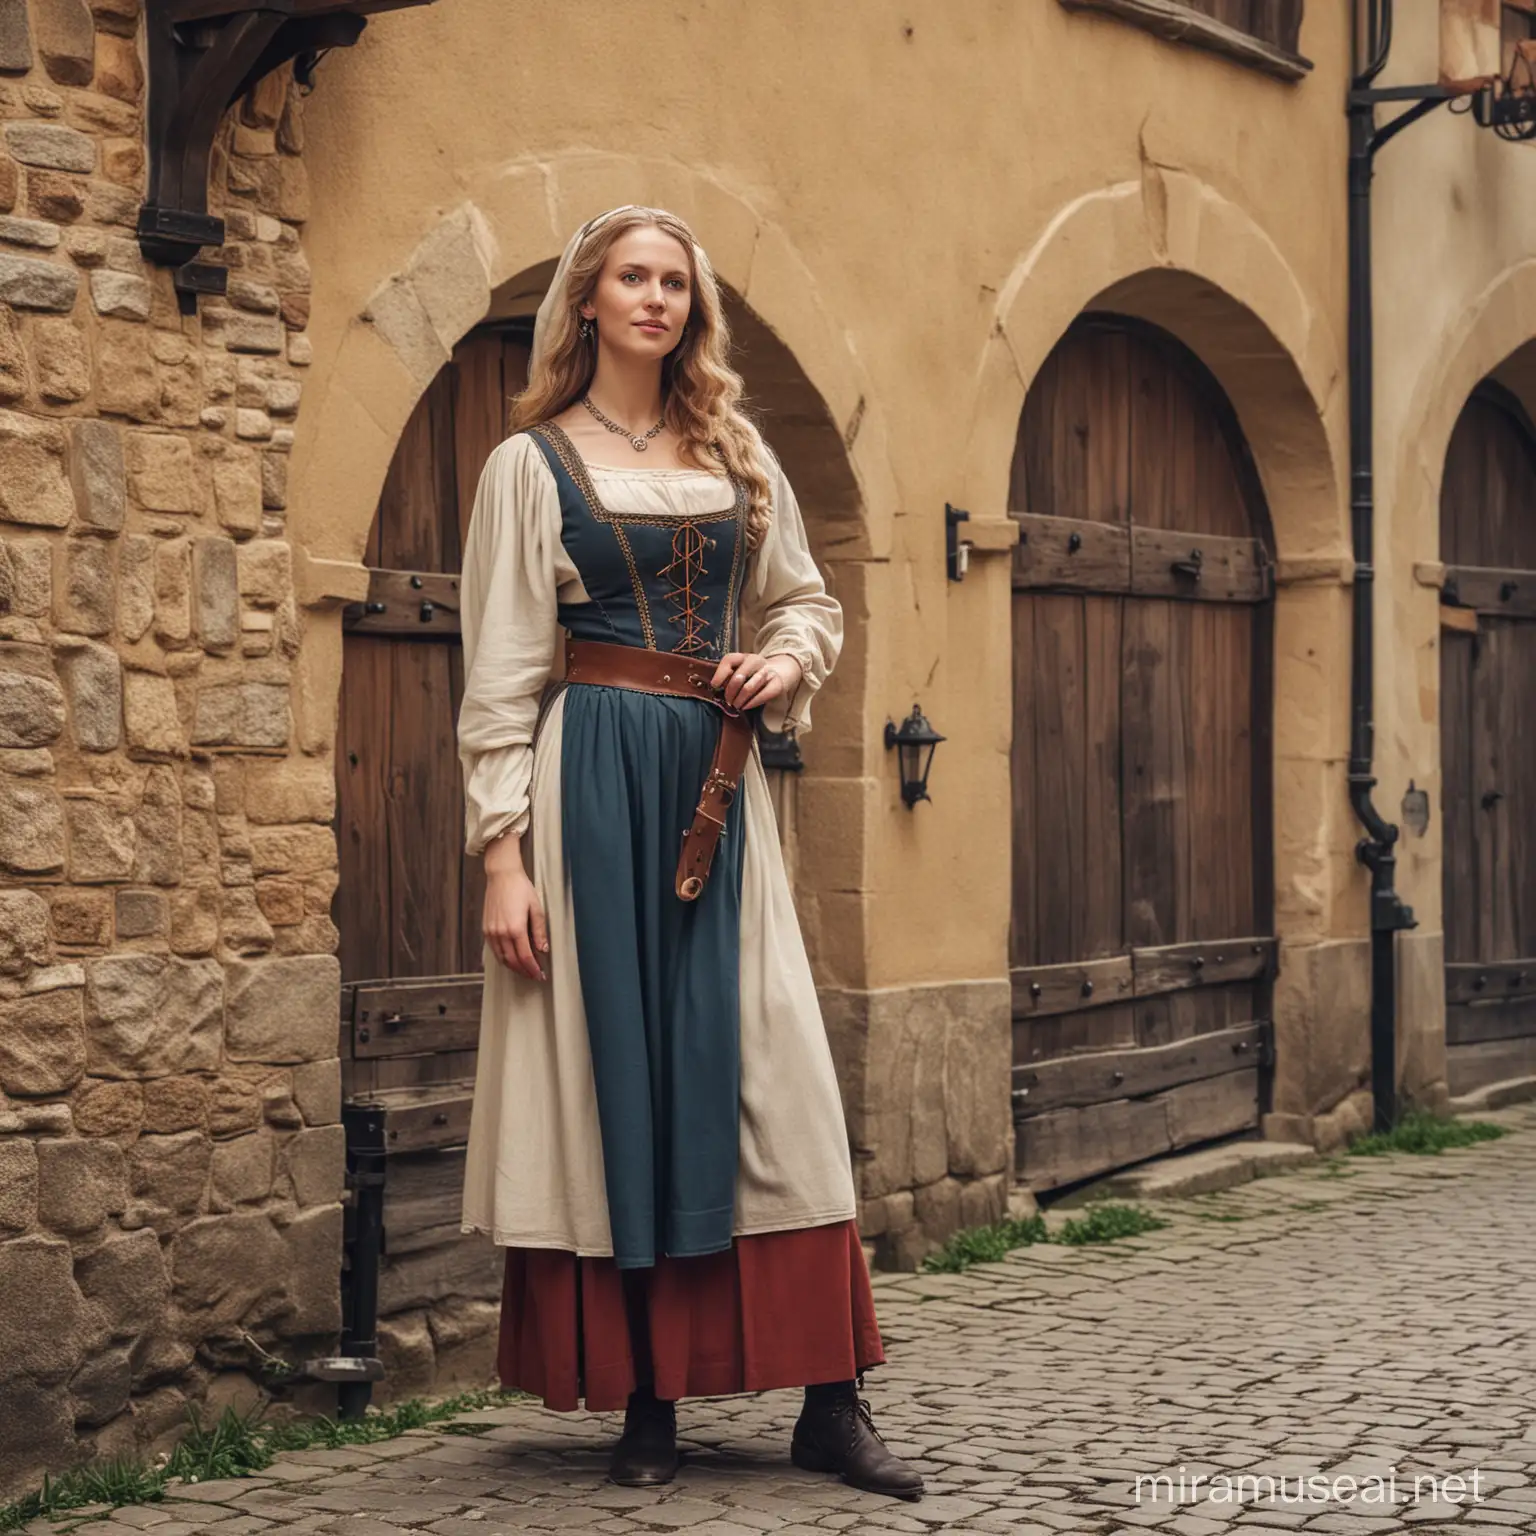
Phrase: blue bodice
(668,584)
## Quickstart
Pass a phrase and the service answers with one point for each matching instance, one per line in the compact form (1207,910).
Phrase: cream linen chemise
(534,1175)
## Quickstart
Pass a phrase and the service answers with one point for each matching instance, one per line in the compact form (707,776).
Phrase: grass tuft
(233,1445)
(1108,1222)
(1426,1135)
(991,1244)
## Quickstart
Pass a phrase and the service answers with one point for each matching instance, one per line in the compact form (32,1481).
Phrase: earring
(585,329)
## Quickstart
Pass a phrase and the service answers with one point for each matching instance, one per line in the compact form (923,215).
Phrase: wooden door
(408,905)
(1141,936)
(1488,741)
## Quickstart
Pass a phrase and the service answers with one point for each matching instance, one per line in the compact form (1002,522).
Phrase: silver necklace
(638,443)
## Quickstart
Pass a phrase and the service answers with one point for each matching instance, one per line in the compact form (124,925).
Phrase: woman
(657,1136)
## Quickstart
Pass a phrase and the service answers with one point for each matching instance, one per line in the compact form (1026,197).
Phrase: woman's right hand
(513,922)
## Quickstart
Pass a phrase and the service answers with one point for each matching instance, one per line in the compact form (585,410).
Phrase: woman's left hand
(750,680)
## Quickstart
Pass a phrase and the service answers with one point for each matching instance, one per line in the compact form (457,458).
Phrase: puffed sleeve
(508,620)
(787,610)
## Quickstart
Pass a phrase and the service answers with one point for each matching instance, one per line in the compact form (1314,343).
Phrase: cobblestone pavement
(1338,1320)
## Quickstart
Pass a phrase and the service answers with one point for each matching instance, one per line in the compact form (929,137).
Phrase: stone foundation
(925,1074)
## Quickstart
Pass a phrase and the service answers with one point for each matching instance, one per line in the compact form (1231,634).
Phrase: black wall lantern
(914,743)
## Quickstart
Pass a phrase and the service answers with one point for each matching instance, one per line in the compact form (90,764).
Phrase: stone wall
(170,1158)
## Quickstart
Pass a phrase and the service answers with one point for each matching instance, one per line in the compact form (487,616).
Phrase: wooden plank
(1097,1078)
(1508,592)
(1023,943)
(1065,1146)
(471,1267)
(361,904)
(1082,1032)
(1489,981)
(1052,989)
(1490,1061)
(423,1200)
(1198,567)
(1101,915)
(1458,839)
(1071,554)
(1506,1019)
(1462,620)
(408,605)
(441,1013)
(1172,967)
(425,1117)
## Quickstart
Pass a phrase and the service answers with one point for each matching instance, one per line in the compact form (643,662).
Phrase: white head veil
(553,317)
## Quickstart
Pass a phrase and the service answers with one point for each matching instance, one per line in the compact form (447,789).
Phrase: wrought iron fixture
(957,551)
(203,56)
(914,742)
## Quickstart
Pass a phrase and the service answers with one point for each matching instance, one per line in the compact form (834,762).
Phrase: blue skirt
(660,977)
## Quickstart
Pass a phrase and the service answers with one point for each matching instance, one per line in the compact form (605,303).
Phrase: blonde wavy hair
(701,392)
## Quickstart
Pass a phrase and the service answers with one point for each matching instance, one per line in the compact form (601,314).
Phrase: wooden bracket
(203,56)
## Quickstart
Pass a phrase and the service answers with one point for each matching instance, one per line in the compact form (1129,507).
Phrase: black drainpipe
(1376,850)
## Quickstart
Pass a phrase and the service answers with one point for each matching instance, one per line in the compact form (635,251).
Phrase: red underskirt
(783,1309)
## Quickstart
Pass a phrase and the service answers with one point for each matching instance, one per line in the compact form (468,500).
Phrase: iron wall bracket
(203,56)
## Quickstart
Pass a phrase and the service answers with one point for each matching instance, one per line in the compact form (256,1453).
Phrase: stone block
(243,1170)
(102,841)
(13,355)
(242,715)
(42,1042)
(224,1268)
(274,481)
(168,1178)
(113,1109)
(465,1335)
(984,1201)
(99,474)
(162,473)
(174,1104)
(140,914)
(15,38)
(51,146)
(293,850)
(153,1015)
(93,686)
(34,469)
(28,283)
(937,1208)
(158,820)
(121,294)
(101,1386)
(316,1164)
(51,195)
(79,1185)
(135,585)
(41,1333)
(317,1091)
(38,233)
(281,901)
(127,383)
(195,919)
(215,576)
(278,1106)
(31,701)
(66,40)
(31,828)
(405,1347)
(122,160)
(234,1107)
(118,71)
(242,924)
(159,1362)
(39,1418)
(237,491)
(313,1242)
(266,571)
(283,1010)
(290,789)
(150,714)
(24,936)
(87,600)
(63,364)
(31,563)
(18,1189)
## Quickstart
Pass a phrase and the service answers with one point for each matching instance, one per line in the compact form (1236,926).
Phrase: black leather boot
(836,1433)
(646,1454)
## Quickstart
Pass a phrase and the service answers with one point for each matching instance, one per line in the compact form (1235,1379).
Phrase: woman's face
(643,294)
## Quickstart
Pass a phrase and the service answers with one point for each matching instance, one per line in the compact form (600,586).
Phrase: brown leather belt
(685,677)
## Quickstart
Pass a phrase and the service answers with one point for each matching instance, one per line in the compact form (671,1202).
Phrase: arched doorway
(1488,740)
(1141,944)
